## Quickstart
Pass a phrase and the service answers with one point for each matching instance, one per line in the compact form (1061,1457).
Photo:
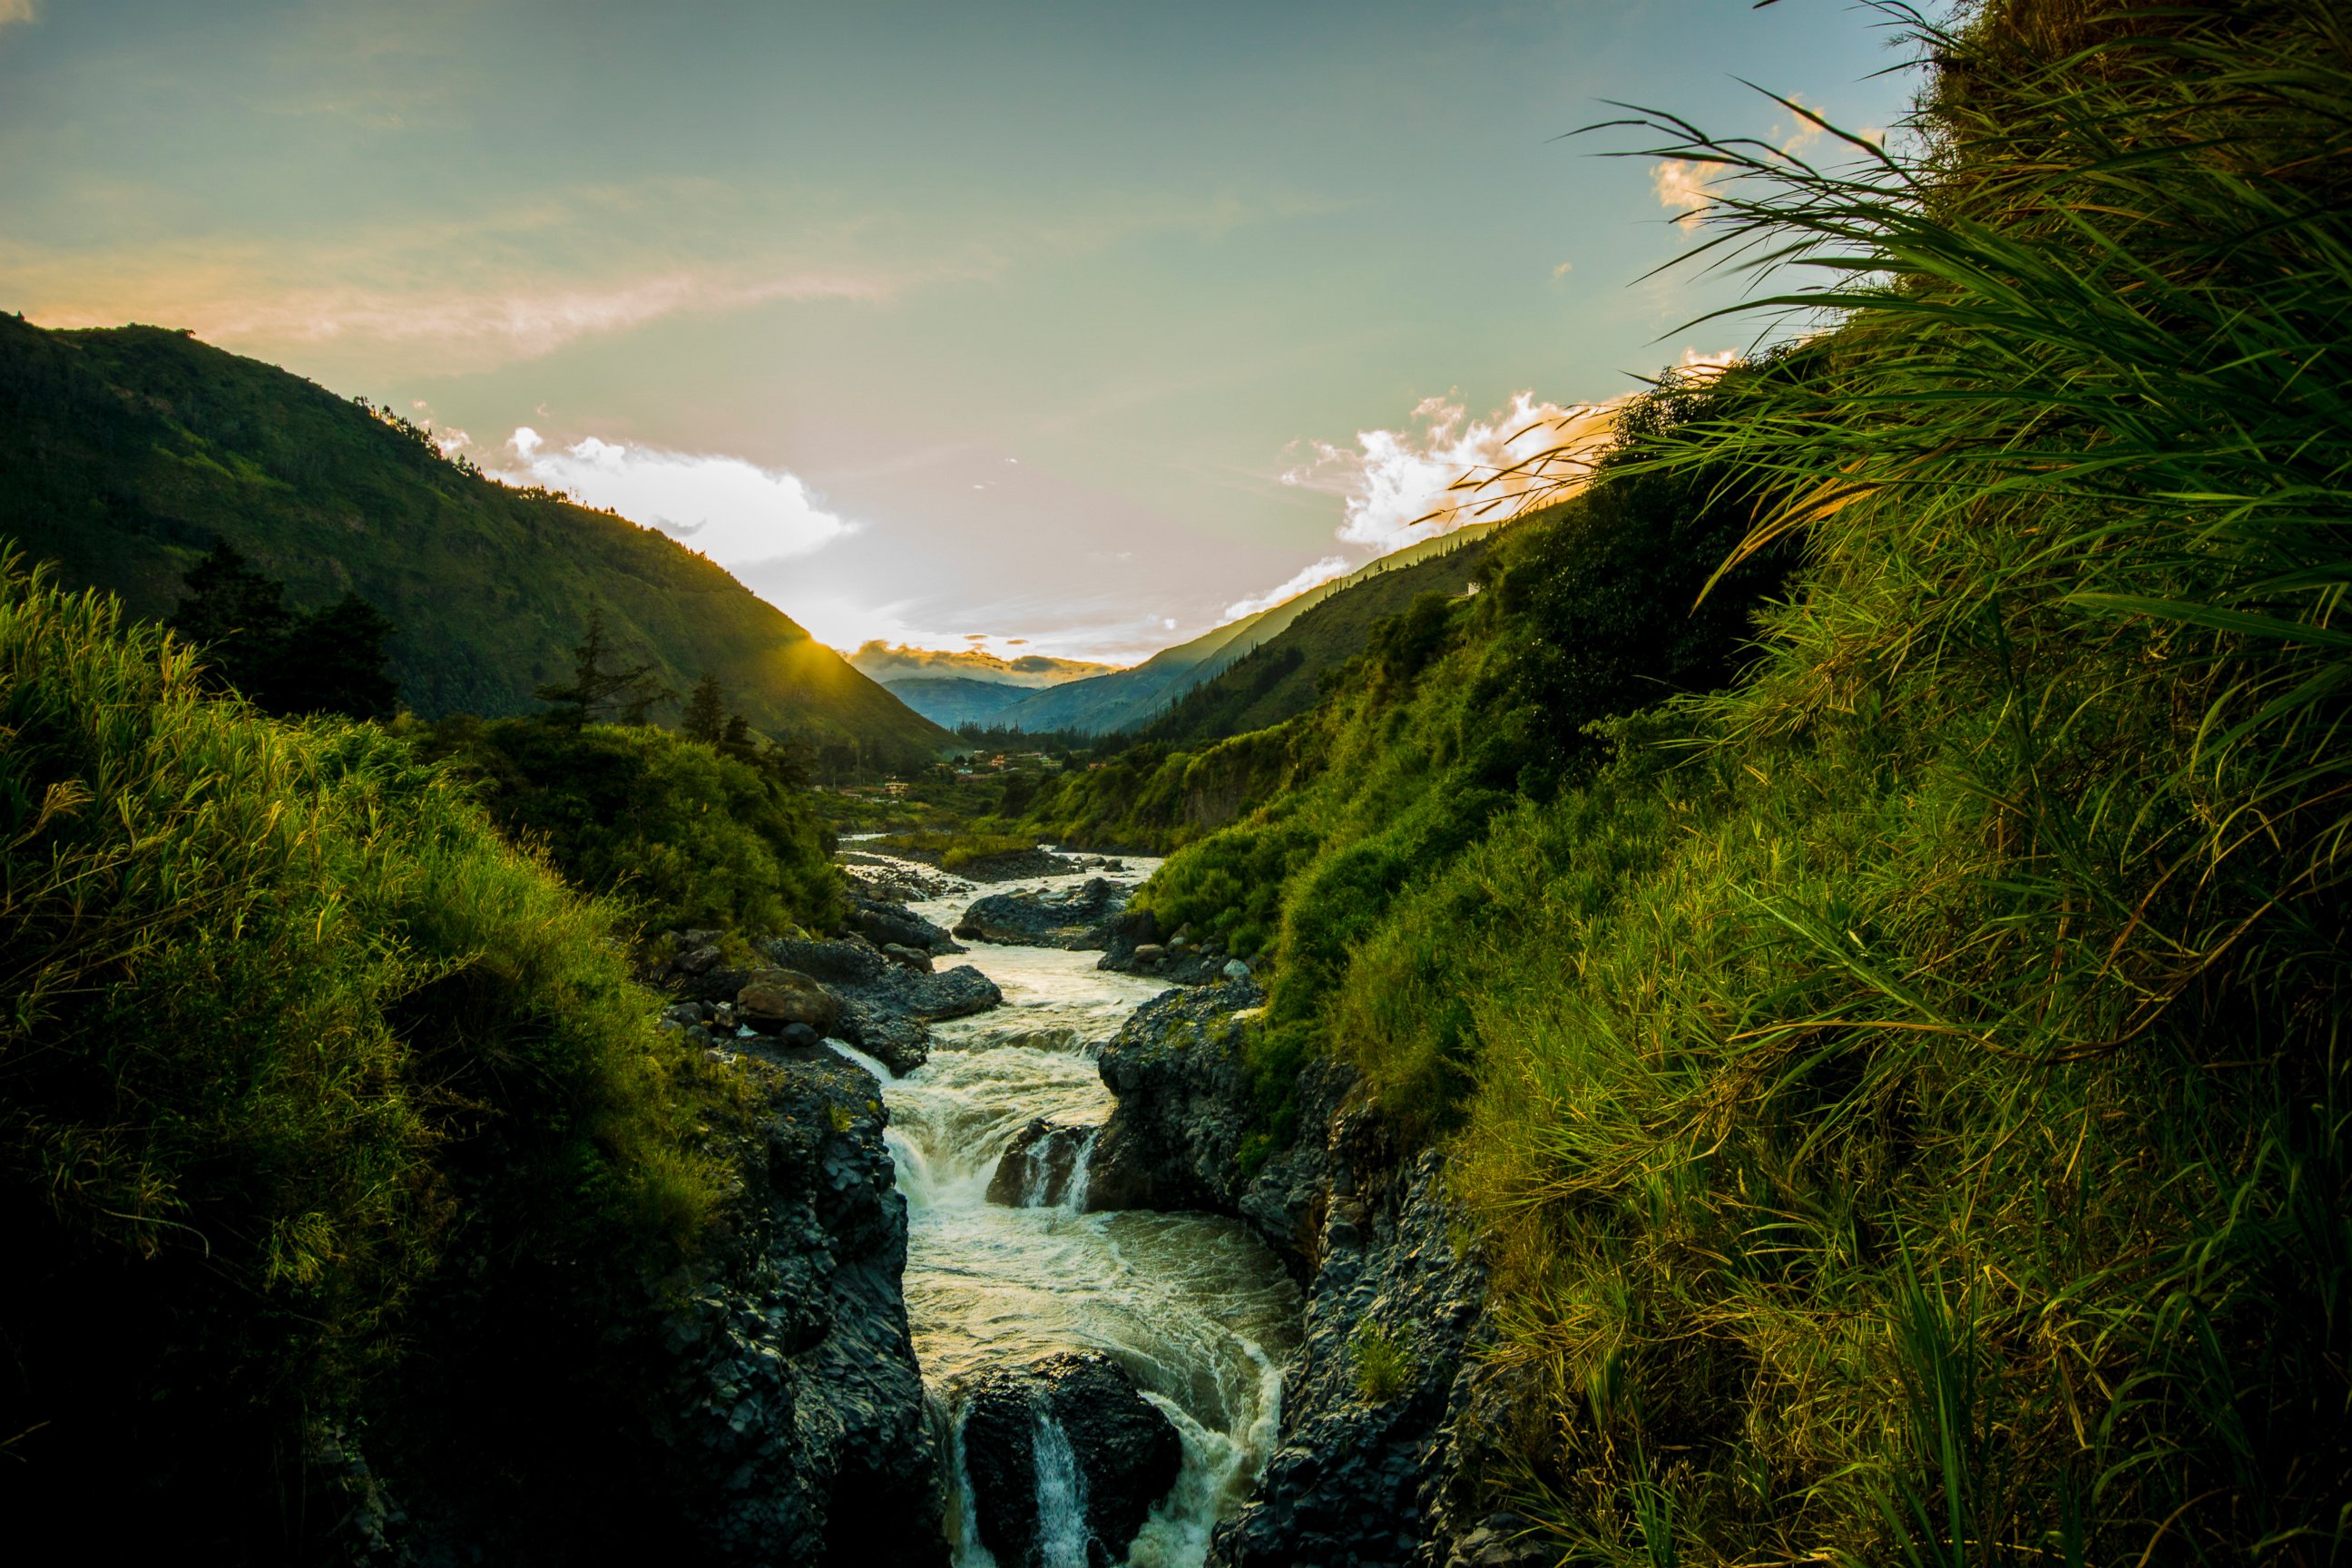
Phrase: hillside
(1280,678)
(953,699)
(125,452)
(1880,1006)
(1109,704)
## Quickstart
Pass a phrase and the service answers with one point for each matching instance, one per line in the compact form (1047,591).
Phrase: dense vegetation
(683,833)
(127,452)
(1901,1090)
(297,1053)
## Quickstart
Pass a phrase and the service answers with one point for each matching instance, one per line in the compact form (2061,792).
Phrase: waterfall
(1082,1164)
(1061,1498)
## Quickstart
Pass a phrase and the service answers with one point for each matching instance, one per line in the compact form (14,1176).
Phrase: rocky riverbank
(1386,1406)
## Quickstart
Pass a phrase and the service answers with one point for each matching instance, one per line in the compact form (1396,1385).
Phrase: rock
(773,998)
(1072,1432)
(697,962)
(885,1005)
(1235,969)
(1147,955)
(1136,947)
(1073,919)
(1039,1166)
(913,958)
(1362,1475)
(887,925)
(800,1036)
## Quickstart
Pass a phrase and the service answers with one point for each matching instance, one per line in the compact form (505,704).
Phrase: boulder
(913,958)
(885,1006)
(1074,917)
(889,924)
(1040,1165)
(772,998)
(1066,1459)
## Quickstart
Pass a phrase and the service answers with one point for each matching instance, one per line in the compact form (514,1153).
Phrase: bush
(682,832)
(287,1021)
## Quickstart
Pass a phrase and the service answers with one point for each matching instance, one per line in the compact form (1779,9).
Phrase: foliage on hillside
(294,1042)
(126,453)
(680,831)
(1283,676)
(1901,1092)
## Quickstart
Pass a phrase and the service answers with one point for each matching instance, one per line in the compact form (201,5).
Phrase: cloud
(1399,486)
(733,511)
(1698,366)
(1306,577)
(16,11)
(1682,188)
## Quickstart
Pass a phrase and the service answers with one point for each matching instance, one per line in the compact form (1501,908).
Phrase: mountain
(1281,677)
(124,452)
(953,699)
(891,665)
(1131,698)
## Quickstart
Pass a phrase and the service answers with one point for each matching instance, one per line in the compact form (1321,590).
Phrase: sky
(1061,328)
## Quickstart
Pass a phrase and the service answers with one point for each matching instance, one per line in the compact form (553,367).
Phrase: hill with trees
(127,454)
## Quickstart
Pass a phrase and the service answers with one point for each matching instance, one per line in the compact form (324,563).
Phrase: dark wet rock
(1071,918)
(885,1006)
(699,961)
(797,1419)
(1124,1452)
(1356,1480)
(1361,1468)
(1038,1166)
(893,882)
(1135,944)
(771,999)
(887,925)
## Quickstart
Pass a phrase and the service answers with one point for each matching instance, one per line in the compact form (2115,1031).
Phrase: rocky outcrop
(1037,1168)
(885,1005)
(1387,1407)
(1135,944)
(1065,1460)
(1073,918)
(796,1413)
(888,923)
(773,999)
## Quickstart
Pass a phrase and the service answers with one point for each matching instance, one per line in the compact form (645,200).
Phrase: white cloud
(1306,577)
(1698,366)
(1399,486)
(16,11)
(735,512)
(1682,188)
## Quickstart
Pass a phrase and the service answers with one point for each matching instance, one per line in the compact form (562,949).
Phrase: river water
(1194,1306)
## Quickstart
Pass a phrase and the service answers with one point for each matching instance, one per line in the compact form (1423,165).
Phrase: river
(1194,1306)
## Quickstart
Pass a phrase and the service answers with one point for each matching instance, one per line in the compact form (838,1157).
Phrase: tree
(706,712)
(239,616)
(331,660)
(334,663)
(597,687)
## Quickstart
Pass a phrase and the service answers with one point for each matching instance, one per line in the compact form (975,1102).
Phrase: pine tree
(334,663)
(239,616)
(596,689)
(705,712)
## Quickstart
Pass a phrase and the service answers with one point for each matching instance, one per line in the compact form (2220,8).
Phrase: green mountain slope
(1280,678)
(125,452)
(953,699)
(1110,703)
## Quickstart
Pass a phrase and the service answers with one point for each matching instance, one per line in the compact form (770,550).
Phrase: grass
(1384,1364)
(295,1047)
(1899,1080)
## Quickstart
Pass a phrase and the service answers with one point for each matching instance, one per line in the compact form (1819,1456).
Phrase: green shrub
(287,1022)
(683,833)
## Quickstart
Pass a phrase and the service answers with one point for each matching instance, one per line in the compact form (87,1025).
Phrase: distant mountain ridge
(880,660)
(124,452)
(1129,698)
(955,701)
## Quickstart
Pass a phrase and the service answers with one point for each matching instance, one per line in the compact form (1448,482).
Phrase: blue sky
(1050,322)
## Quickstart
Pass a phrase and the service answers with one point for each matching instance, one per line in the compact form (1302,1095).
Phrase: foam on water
(1194,1306)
